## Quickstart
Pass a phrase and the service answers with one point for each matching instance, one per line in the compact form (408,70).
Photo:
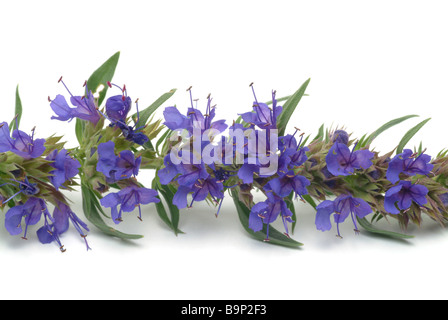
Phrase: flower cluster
(114,154)
(190,172)
(34,172)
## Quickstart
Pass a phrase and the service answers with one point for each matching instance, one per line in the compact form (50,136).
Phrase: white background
(369,62)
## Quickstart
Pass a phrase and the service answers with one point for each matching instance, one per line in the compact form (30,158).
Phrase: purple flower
(128,199)
(194,119)
(116,168)
(262,115)
(169,172)
(340,136)
(202,189)
(191,173)
(290,182)
(20,143)
(65,167)
(30,212)
(25,187)
(174,120)
(267,212)
(53,229)
(131,133)
(118,107)
(444,198)
(343,162)
(342,207)
(402,195)
(406,163)
(6,142)
(292,154)
(246,172)
(85,108)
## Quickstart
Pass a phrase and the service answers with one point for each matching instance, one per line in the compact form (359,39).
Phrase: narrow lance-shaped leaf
(408,136)
(289,107)
(385,127)
(102,75)
(168,195)
(146,113)
(372,229)
(79,130)
(17,111)
(173,210)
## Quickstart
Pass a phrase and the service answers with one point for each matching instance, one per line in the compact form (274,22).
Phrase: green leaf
(289,107)
(17,112)
(384,127)
(292,208)
(79,129)
(408,136)
(146,113)
(278,100)
(371,228)
(309,200)
(102,75)
(162,139)
(91,209)
(320,134)
(168,194)
(275,236)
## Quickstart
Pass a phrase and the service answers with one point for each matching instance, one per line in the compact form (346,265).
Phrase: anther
(189,88)
(49,99)
(251,84)
(109,84)
(60,79)
(85,83)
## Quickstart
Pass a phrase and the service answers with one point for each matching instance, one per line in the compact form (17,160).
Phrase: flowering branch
(198,158)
